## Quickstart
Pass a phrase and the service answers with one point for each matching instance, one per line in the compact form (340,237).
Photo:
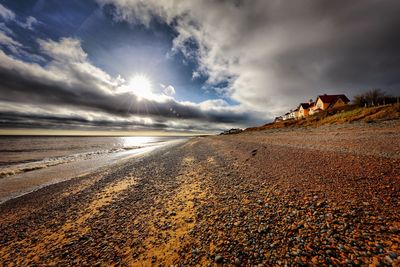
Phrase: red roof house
(331,101)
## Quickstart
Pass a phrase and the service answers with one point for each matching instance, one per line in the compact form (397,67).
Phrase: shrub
(373,97)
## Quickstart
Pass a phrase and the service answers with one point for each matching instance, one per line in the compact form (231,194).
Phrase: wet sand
(25,182)
(326,196)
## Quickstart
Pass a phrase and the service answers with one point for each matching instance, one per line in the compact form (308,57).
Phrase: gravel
(322,197)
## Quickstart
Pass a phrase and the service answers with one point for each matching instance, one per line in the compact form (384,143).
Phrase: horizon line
(52,132)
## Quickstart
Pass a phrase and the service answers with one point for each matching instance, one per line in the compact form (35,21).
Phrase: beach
(321,196)
(28,163)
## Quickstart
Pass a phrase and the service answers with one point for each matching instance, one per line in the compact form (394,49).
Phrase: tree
(373,97)
(359,100)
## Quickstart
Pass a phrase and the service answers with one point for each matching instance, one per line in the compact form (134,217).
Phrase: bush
(373,97)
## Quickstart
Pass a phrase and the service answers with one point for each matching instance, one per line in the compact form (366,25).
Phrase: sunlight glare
(141,86)
(137,141)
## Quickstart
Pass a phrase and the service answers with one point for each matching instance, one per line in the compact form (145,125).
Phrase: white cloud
(224,53)
(5,29)
(66,50)
(70,63)
(9,15)
(15,47)
(169,90)
(69,81)
(6,14)
(195,75)
(275,54)
(29,23)
(10,43)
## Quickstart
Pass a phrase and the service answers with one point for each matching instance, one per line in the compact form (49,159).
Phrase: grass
(346,114)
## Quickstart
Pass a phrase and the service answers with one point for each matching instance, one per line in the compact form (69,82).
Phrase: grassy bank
(347,114)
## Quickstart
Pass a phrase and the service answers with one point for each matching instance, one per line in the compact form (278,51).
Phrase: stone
(388,260)
(393,255)
(219,259)
(237,262)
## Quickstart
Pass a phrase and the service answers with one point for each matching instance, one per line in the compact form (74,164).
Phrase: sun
(141,86)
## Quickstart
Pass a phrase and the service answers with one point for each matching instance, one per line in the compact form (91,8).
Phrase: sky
(187,66)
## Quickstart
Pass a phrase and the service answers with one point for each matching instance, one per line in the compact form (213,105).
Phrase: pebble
(218,259)
(266,212)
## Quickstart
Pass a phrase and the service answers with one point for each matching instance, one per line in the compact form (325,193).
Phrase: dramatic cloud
(16,48)
(222,63)
(273,54)
(6,14)
(10,43)
(70,80)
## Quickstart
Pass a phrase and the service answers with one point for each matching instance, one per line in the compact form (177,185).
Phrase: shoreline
(312,196)
(27,182)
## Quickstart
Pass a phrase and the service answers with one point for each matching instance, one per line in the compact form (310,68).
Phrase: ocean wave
(22,167)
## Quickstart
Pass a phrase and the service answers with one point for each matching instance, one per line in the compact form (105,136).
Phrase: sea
(30,162)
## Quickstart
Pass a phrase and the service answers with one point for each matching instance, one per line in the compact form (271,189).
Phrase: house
(291,115)
(304,109)
(325,101)
(286,116)
(294,114)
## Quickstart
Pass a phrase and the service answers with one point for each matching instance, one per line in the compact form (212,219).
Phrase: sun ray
(141,86)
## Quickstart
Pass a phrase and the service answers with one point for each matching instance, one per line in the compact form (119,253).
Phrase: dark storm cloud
(17,120)
(281,52)
(70,81)
(22,89)
(21,120)
(360,48)
(267,56)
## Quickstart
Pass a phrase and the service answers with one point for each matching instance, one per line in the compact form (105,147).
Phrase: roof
(333,98)
(305,105)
